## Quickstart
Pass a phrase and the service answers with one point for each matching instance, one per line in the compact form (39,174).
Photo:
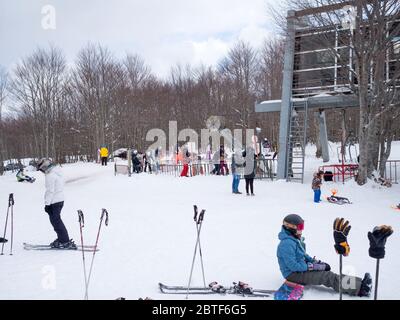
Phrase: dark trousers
(216,169)
(147,164)
(249,183)
(350,285)
(54,212)
(103,161)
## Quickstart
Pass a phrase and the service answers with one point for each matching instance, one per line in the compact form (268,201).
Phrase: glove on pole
(377,240)
(341,230)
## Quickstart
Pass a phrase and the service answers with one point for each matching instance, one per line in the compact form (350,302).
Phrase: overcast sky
(163,32)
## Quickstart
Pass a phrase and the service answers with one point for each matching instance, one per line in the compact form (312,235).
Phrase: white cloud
(254,34)
(210,51)
(163,32)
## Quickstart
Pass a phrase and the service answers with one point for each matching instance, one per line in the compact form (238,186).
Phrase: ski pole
(376,279)
(103,213)
(201,254)
(340,276)
(81,225)
(12,226)
(10,204)
(200,223)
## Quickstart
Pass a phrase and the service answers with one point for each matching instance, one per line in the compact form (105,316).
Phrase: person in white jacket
(54,202)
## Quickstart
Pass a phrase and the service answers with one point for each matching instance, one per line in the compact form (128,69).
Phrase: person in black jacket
(136,166)
(249,169)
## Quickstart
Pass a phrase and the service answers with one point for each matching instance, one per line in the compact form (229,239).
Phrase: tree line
(57,110)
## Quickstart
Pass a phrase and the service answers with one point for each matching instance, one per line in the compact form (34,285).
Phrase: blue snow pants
(317,195)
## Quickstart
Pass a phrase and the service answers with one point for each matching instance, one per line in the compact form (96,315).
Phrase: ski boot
(55,244)
(366,286)
(3,240)
(242,288)
(216,287)
(69,245)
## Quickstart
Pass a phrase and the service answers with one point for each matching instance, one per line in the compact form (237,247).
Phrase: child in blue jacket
(298,267)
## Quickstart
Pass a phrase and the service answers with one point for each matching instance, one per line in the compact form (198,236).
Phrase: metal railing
(392,171)
(265,169)
(343,172)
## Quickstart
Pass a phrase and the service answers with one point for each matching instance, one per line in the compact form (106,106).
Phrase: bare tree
(239,70)
(3,87)
(37,89)
(371,32)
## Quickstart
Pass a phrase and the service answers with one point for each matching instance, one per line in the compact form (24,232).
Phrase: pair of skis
(43,247)
(240,289)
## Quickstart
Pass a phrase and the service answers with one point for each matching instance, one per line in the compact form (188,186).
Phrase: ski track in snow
(151,235)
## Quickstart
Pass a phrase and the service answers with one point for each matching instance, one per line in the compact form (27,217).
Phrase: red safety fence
(339,172)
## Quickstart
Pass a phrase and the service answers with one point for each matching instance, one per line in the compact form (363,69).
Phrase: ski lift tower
(312,81)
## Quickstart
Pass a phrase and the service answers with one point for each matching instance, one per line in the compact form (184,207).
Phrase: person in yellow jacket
(104,155)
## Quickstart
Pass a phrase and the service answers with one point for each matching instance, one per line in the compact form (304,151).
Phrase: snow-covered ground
(151,235)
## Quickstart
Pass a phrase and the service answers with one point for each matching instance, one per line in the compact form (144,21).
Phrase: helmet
(293,223)
(44,165)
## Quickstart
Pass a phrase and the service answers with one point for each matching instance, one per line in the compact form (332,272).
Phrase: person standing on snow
(148,160)
(54,202)
(104,155)
(249,169)
(316,186)
(236,173)
(186,160)
(298,267)
(135,162)
(216,159)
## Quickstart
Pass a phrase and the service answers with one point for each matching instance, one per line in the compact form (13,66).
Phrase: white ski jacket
(54,186)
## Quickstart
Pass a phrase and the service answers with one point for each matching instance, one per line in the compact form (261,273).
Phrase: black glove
(377,240)
(341,230)
(47,209)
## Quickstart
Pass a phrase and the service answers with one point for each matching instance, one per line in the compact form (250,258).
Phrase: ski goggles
(299,227)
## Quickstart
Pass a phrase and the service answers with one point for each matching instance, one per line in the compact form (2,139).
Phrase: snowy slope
(151,234)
